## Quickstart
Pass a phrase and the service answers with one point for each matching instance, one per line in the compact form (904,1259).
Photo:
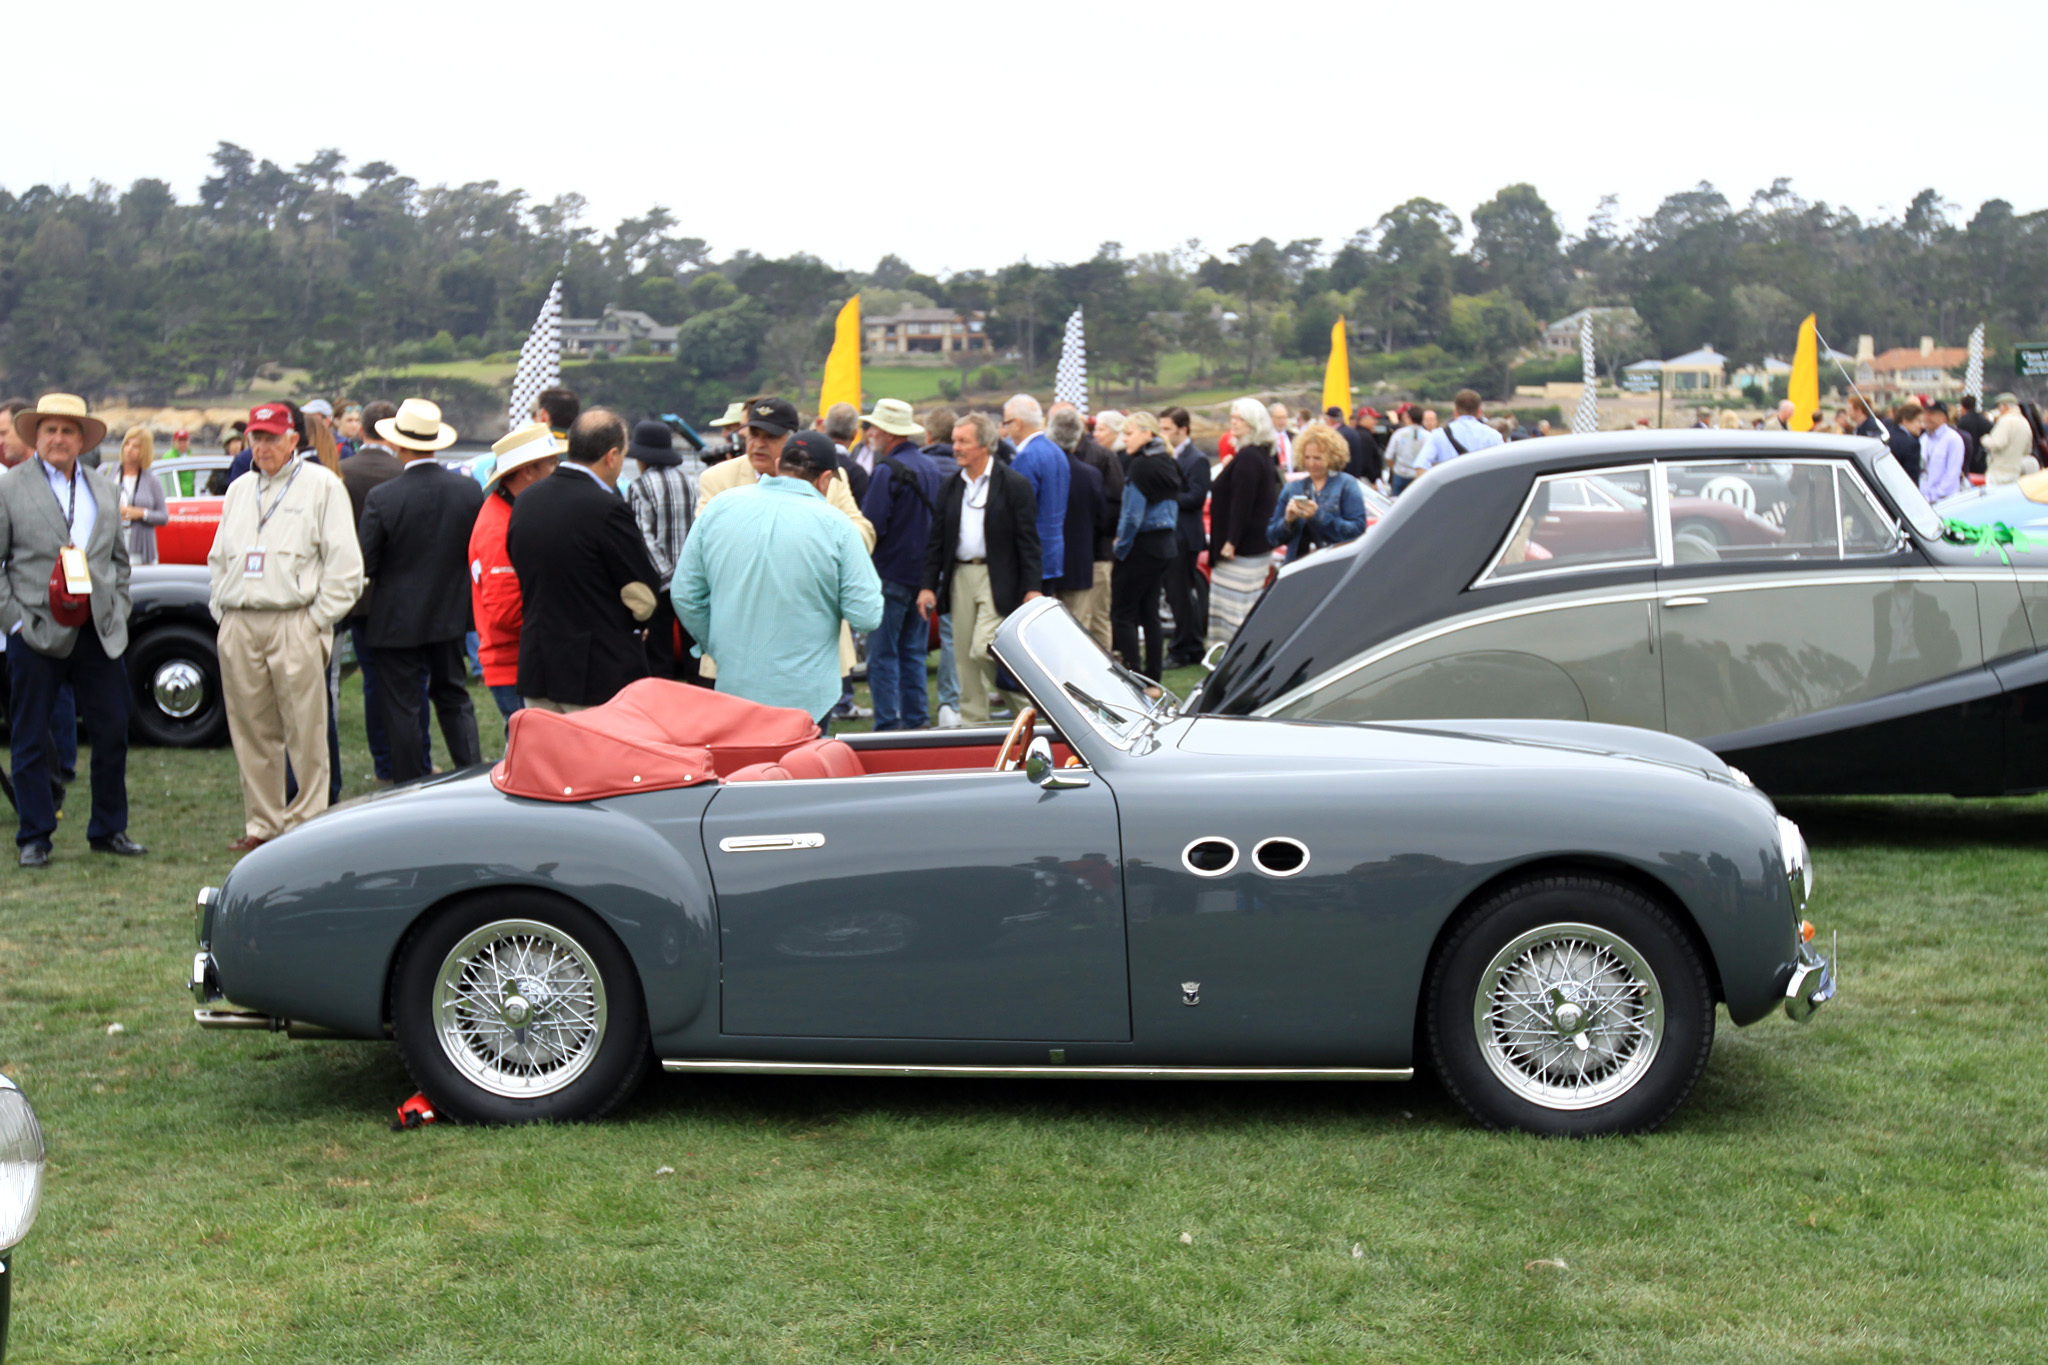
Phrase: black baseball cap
(813,449)
(776,416)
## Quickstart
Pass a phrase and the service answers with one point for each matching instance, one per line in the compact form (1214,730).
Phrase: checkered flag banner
(1587,418)
(1070,381)
(540,359)
(1973,377)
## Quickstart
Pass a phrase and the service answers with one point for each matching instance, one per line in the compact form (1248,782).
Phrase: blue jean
(949,667)
(896,661)
(1400,482)
(100,685)
(373,707)
(508,699)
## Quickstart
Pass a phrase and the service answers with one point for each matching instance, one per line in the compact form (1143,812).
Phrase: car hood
(1456,743)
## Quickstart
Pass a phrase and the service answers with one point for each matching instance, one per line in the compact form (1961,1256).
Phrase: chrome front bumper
(1812,984)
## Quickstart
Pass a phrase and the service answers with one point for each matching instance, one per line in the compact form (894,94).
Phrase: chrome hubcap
(179,688)
(1569,1016)
(520,1009)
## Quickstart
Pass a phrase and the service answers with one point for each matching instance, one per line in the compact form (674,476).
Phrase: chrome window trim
(1647,468)
(1877,504)
(1650,594)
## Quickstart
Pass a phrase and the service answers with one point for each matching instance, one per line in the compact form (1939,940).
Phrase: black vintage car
(174,694)
(1789,601)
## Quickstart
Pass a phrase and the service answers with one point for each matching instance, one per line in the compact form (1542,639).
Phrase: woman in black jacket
(1241,499)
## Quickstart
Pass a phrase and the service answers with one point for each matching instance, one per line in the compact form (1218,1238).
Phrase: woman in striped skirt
(1241,499)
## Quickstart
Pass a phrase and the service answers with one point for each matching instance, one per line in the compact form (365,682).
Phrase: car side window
(1764,510)
(1578,522)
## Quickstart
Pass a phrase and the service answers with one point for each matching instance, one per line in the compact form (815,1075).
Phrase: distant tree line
(345,270)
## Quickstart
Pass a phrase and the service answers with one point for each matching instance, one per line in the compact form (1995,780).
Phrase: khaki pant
(273,676)
(560,708)
(1090,605)
(974,630)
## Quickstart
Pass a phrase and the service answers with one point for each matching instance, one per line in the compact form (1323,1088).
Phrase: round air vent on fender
(1280,856)
(1210,856)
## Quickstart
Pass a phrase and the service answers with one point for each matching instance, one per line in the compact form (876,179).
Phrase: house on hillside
(1761,377)
(620,331)
(1905,370)
(1704,371)
(924,331)
(1563,335)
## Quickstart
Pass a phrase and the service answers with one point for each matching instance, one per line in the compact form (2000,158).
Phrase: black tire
(587,1046)
(1607,950)
(162,661)
(1706,530)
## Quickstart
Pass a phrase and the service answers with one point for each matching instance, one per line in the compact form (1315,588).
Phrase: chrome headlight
(21,1165)
(1798,862)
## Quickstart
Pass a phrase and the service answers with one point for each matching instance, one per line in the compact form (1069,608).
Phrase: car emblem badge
(1191,992)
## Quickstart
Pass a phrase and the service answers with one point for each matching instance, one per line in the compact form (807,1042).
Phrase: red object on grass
(414,1113)
(652,736)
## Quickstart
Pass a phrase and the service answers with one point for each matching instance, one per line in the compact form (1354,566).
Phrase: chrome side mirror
(1038,766)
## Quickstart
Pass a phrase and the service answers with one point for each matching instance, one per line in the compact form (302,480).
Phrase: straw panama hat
(59,405)
(894,416)
(521,447)
(418,426)
(735,416)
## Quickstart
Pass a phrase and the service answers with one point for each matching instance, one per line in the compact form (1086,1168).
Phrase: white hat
(894,416)
(519,448)
(418,426)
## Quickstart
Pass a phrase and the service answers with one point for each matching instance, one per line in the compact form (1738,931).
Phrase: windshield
(1899,486)
(1116,702)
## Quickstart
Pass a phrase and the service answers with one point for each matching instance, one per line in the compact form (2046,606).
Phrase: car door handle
(768,843)
(1686,601)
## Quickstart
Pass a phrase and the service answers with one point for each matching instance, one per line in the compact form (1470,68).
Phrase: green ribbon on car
(1995,536)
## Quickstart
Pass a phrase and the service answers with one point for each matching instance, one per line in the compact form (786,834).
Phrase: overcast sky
(969,134)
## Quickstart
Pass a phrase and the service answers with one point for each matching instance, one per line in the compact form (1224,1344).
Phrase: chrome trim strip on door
(1103,1073)
(1647,593)
(1687,601)
(767,843)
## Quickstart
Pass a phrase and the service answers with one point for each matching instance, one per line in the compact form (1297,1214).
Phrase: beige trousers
(273,676)
(974,630)
(1090,605)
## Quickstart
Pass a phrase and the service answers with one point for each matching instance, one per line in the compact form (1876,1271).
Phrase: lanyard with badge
(71,559)
(252,560)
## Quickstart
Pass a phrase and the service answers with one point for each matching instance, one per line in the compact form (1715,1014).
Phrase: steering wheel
(1019,728)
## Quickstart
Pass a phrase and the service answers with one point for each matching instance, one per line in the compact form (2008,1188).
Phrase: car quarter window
(1577,522)
(1723,511)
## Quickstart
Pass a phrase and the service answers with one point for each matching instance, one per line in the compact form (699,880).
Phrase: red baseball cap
(274,418)
(179,434)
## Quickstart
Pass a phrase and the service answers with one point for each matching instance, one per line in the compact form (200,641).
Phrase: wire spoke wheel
(1568,1016)
(519,1008)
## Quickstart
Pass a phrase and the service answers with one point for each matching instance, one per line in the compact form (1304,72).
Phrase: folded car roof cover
(653,735)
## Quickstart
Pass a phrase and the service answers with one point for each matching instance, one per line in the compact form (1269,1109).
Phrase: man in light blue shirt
(766,576)
(1465,433)
(1045,464)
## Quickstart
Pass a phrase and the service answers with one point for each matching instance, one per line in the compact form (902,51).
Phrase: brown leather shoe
(248,843)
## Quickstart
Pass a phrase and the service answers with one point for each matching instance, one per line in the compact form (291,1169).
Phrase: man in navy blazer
(1187,592)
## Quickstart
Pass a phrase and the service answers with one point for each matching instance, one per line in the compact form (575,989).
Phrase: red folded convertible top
(653,735)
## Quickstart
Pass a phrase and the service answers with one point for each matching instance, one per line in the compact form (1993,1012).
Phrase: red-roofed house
(1907,370)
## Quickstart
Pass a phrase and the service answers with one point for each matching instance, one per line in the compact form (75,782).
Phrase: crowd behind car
(581,555)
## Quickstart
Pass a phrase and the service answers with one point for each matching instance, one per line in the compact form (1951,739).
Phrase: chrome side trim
(238,1019)
(766,843)
(1105,1073)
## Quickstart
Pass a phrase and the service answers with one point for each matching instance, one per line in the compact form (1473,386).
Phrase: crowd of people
(579,556)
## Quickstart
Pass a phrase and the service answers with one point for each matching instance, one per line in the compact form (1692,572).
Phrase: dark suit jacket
(574,545)
(1093,452)
(1016,563)
(1189,533)
(415,537)
(360,473)
(1087,513)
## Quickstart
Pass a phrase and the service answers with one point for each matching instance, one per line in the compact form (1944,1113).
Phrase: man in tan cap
(64,606)
(285,567)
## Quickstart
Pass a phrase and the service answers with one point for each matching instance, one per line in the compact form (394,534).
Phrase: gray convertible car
(1789,601)
(1549,912)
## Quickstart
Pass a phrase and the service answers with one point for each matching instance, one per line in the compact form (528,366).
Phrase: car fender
(296,939)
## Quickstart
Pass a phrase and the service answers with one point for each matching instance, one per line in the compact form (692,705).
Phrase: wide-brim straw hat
(735,416)
(894,416)
(519,448)
(418,426)
(59,405)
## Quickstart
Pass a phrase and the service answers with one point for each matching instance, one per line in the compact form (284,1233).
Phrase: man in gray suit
(66,569)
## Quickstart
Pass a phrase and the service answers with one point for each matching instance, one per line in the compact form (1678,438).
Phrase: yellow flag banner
(1804,390)
(842,367)
(1337,375)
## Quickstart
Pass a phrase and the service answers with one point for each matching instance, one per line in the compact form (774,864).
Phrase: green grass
(1871,1187)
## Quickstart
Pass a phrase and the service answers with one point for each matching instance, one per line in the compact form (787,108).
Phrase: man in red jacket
(524,457)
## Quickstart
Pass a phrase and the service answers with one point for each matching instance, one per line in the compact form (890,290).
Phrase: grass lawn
(1871,1187)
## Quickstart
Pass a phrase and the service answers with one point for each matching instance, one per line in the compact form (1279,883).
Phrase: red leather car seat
(759,772)
(822,758)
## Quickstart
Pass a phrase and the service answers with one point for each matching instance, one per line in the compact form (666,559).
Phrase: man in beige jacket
(285,567)
(2009,447)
